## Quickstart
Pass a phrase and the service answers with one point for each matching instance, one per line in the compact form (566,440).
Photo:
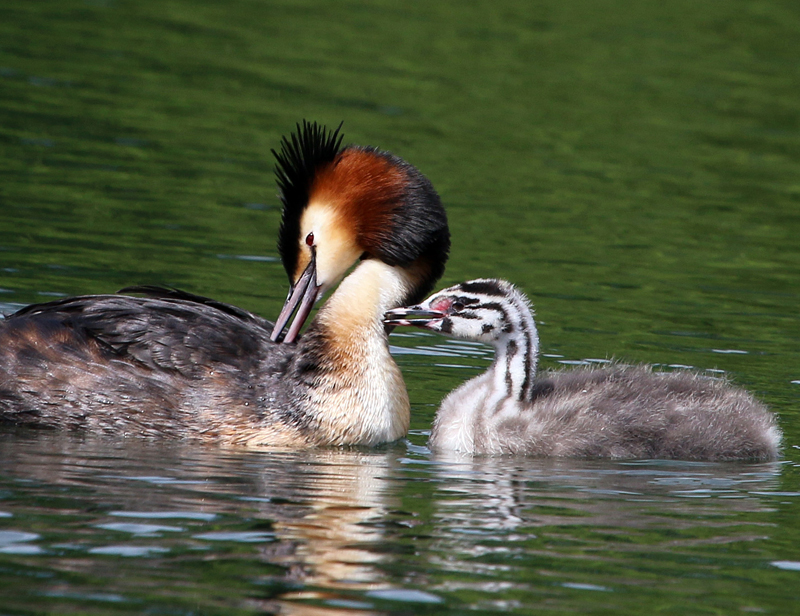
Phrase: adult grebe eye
(310,239)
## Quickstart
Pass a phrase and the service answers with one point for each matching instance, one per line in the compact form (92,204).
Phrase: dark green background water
(634,167)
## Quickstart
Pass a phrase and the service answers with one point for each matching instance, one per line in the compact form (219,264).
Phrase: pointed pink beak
(302,296)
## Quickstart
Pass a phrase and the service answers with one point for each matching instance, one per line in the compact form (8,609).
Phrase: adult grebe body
(176,364)
(619,411)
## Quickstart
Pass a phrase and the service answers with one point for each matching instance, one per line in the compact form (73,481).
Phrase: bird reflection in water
(315,513)
(334,541)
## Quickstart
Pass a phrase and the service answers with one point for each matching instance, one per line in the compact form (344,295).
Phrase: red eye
(310,239)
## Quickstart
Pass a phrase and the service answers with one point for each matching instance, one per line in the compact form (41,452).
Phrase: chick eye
(310,239)
(458,306)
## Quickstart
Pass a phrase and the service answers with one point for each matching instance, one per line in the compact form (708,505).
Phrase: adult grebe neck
(356,381)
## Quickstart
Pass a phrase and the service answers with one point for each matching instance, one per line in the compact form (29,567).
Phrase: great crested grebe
(176,364)
(619,411)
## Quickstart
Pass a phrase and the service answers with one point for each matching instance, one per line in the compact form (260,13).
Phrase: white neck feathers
(362,397)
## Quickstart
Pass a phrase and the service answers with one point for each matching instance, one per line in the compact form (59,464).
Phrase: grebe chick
(180,365)
(619,411)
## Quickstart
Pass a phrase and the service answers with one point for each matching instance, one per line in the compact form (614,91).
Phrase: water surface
(633,168)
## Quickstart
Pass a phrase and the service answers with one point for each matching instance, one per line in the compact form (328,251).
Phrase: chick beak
(303,294)
(413,315)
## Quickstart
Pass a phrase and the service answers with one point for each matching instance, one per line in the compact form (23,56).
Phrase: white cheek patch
(334,240)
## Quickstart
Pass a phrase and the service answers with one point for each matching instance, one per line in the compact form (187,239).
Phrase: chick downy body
(615,411)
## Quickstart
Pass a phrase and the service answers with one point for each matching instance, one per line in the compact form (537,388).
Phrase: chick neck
(513,371)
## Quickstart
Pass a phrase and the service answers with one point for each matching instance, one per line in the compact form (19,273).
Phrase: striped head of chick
(484,310)
(343,204)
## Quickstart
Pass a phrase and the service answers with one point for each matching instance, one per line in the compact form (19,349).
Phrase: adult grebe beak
(303,294)
(412,315)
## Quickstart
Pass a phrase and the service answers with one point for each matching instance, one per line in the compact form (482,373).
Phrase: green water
(634,167)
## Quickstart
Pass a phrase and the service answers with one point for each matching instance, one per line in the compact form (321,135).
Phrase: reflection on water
(555,529)
(306,514)
(85,522)
(347,490)
(502,494)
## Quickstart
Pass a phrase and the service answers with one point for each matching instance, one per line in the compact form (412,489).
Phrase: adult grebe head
(345,204)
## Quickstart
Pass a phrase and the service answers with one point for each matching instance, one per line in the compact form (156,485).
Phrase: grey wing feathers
(173,331)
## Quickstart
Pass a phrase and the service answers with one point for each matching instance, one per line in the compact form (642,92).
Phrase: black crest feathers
(300,157)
